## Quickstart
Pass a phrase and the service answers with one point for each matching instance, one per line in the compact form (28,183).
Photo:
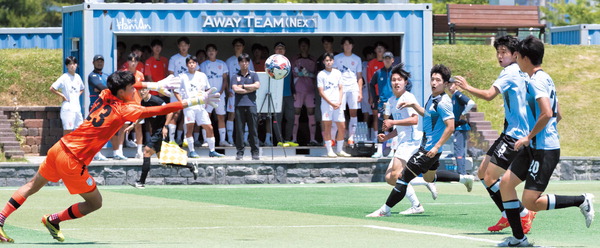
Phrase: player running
(512,85)
(537,160)
(69,157)
(438,125)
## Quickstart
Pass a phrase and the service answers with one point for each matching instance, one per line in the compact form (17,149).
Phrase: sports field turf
(325,215)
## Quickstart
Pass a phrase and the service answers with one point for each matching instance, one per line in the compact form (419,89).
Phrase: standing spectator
(217,73)
(133,61)
(366,105)
(234,67)
(137,49)
(194,83)
(329,83)
(68,87)
(201,55)
(156,67)
(381,80)
(177,65)
(121,57)
(462,104)
(97,83)
(245,85)
(351,67)
(287,108)
(304,74)
(373,66)
(258,51)
(327,42)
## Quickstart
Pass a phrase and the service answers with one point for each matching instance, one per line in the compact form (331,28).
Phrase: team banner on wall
(258,22)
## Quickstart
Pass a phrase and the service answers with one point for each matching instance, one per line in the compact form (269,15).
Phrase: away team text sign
(259,22)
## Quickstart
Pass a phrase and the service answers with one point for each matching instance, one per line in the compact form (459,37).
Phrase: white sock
(196,135)
(172,128)
(328,146)
(339,145)
(385,208)
(352,129)
(139,149)
(229,127)
(211,143)
(120,151)
(190,141)
(115,152)
(418,181)
(222,134)
(380,148)
(525,212)
(412,196)
(504,214)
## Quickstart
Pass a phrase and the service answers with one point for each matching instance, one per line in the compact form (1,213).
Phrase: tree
(32,13)
(562,13)
(439,6)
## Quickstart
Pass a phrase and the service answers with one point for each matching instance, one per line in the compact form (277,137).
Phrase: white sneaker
(587,209)
(139,185)
(205,144)
(414,210)
(514,242)
(379,213)
(100,157)
(433,189)
(343,154)
(130,144)
(331,155)
(469,182)
(225,143)
(377,155)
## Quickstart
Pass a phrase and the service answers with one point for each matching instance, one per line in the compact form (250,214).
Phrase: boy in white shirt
(217,72)
(69,86)
(350,65)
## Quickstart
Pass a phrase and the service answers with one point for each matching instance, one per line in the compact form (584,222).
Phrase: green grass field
(289,216)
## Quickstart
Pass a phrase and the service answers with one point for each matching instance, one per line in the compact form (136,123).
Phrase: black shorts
(155,140)
(535,167)
(502,152)
(420,163)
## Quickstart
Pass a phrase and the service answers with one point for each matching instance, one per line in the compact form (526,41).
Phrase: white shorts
(231,104)
(330,114)
(351,98)
(197,115)
(220,110)
(406,149)
(70,119)
(365,107)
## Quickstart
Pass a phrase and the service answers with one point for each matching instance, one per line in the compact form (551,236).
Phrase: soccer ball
(277,66)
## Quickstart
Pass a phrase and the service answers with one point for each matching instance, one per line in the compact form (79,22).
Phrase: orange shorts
(61,164)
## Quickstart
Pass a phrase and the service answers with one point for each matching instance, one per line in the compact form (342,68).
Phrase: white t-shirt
(214,72)
(177,64)
(70,86)
(405,133)
(192,84)
(349,66)
(330,82)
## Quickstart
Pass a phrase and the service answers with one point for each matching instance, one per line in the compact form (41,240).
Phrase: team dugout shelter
(95,28)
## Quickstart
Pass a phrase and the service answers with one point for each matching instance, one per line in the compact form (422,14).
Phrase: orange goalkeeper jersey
(107,116)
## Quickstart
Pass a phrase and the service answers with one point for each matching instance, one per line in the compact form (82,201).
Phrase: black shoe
(255,157)
(239,157)
(194,170)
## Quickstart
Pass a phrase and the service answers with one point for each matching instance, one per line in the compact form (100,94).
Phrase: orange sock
(70,213)
(13,203)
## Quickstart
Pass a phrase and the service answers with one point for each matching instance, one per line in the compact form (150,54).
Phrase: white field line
(431,233)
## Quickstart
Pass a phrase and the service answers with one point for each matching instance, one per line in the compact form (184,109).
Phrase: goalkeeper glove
(163,86)
(211,97)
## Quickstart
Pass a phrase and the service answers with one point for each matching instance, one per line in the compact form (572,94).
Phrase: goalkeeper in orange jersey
(69,158)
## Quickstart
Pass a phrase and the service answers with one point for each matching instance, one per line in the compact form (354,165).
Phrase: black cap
(388,55)
(279,43)
(97,57)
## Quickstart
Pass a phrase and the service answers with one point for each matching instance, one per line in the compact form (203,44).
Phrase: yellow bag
(172,154)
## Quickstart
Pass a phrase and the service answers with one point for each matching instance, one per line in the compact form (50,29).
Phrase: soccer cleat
(215,154)
(343,154)
(291,144)
(414,210)
(239,157)
(53,229)
(185,144)
(587,209)
(193,155)
(502,223)
(100,157)
(4,238)
(433,189)
(282,144)
(313,143)
(255,157)
(225,143)
(377,155)
(139,156)
(469,182)
(194,170)
(130,143)
(139,185)
(331,155)
(514,242)
(527,221)
(119,157)
(379,213)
